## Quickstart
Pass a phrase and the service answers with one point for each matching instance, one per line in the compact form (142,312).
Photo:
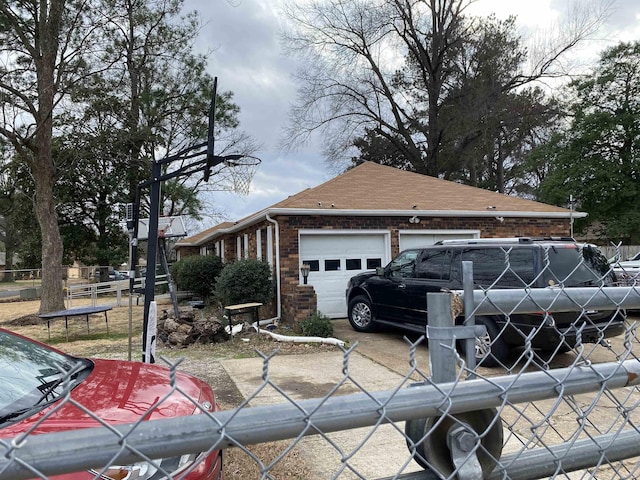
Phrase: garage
(358,221)
(334,257)
(422,238)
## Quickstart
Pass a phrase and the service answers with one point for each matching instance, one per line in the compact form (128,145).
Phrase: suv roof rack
(473,241)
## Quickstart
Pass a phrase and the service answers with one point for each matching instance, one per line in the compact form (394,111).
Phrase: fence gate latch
(463,444)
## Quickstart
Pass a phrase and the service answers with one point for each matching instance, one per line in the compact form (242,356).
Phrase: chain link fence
(540,415)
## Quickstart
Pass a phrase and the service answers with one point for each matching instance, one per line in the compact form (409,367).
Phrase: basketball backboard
(167,227)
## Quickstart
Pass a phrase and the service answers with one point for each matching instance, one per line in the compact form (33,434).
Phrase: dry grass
(200,360)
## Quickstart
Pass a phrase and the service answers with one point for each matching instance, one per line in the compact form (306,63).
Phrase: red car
(32,382)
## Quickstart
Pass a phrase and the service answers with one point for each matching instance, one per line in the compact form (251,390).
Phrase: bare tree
(387,67)
(40,45)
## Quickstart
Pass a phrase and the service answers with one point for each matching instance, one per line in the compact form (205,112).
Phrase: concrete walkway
(379,362)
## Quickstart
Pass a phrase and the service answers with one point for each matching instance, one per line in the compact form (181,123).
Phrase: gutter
(276,319)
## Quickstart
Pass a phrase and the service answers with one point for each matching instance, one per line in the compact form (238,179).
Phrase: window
(354,264)
(314,265)
(503,267)
(331,265)
(403,264)
(434,264)
(575,267)
(373,263)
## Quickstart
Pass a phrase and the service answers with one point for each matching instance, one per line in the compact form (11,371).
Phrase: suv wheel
(491,349)
(360,314)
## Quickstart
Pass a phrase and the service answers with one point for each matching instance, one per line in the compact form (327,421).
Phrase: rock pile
(187,329)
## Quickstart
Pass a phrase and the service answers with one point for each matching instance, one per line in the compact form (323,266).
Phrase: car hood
(361,277)
(116,392)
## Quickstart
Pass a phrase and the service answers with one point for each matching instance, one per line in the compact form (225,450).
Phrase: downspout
(276,319)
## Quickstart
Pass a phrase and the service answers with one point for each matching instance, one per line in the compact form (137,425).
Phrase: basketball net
(241,173)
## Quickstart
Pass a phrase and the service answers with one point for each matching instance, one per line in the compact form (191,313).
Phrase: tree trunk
(52,298)
(43,168)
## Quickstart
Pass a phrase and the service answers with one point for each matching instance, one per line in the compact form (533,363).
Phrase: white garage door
(334,258)
(413,239)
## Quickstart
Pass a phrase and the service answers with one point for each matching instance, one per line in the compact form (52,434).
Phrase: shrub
(245,281)
(197,274)
(317,325)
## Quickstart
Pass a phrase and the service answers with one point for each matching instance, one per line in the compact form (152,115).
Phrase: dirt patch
(23,321)
(200,360)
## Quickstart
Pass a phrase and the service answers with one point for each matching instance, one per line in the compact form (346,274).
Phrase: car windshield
(575,266)
(32,375)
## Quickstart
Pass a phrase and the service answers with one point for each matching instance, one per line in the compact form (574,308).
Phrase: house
(359,221)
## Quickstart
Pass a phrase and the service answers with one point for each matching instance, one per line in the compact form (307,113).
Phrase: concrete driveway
(379,361)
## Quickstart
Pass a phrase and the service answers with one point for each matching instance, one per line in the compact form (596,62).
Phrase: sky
(246,56)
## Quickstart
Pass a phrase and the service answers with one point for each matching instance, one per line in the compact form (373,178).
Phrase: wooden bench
(75,312)
(232,310)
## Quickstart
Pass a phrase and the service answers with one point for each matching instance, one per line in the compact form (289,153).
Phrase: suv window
(404,264)
(513,267)
(574,266)
(434,264)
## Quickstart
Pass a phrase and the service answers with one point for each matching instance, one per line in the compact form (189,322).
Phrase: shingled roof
(374,189)
(371,186)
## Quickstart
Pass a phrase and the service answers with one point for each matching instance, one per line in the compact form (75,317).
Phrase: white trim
(351,231)
(259,244)
(425,213)
(238,248)
(245,246)
(270,243)
(270,260)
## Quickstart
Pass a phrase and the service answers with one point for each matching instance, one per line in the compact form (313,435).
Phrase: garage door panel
(341,245)
(417,240)
(336,258)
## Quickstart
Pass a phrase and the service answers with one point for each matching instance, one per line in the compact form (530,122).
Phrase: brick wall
(298,303)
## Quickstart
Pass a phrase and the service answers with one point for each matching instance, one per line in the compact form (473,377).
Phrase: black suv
(396,295)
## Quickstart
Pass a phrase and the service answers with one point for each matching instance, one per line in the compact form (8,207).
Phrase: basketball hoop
(241,173)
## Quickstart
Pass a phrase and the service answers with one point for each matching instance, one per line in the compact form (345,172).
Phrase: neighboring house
(360,220)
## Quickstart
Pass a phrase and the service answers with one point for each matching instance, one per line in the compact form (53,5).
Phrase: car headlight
(147,470)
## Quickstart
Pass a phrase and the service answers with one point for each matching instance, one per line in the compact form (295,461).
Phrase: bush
(197,274)
(245,281)
(317,325)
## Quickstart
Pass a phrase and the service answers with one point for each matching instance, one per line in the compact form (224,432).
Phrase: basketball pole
(205,165)
(152,254)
